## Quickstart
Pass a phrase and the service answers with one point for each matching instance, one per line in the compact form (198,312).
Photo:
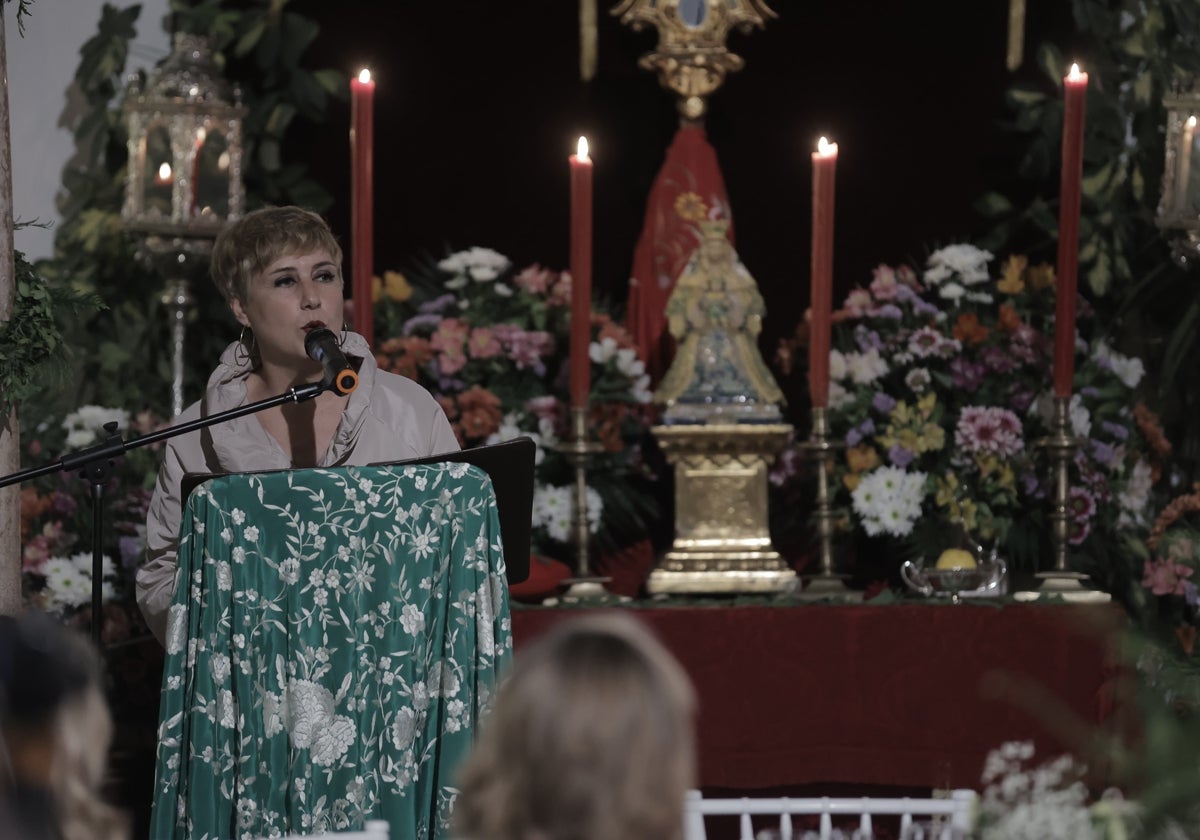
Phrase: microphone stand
(95,463)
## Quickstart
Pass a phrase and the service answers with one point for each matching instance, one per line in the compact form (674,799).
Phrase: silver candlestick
(1060,582)
(820,448)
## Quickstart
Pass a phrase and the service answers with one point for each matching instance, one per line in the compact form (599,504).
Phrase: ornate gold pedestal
(722,539)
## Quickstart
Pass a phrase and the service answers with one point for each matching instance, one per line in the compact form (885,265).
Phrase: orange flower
(610,329)
(1148,425)
(968,330)
(32,506)
(1009,320)
(480,412)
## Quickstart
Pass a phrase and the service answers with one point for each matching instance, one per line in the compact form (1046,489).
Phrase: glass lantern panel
(693,13)
(211,188)
(158,178)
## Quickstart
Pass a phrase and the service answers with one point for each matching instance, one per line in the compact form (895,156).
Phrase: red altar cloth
(908,695)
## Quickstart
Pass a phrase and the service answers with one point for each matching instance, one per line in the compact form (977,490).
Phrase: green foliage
(32,349)
(260,48)
(1136,49)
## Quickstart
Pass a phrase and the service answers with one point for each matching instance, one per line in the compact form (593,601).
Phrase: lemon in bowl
(956,558)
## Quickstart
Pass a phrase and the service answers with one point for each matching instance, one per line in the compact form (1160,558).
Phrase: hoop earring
(243,354)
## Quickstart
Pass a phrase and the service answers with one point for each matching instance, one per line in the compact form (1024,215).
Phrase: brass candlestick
(579,450)
(819,447)
(1060,581)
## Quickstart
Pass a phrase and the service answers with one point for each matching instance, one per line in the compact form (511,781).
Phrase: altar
(898,695)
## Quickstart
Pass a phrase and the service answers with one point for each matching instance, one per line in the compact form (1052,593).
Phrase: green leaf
(993,204)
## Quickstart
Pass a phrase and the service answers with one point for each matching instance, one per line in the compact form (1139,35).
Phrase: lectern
(335,636)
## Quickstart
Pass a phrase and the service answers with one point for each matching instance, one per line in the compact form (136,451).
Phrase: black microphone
(321,345)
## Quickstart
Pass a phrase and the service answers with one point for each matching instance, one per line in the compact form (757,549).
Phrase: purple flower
(863,430)
(996,360)
(867,339)
(438,304)
(1115,429)
(888,310)
(417,321)
(131,550)
(1089,391)
(1031,485)
(899,456)
(1021,398)
(967,374)
(923,307)
(883,403)
(1104,453)
(65,504)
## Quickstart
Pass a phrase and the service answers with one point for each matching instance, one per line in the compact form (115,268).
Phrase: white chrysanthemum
(1128,369)
(603,350)
(404,728)
(865,368)
(967,261)
(1135,496)
(66,585)
(83,426)
(310,706)
(888,500)
(1081,418)
(629,364)
(838,369)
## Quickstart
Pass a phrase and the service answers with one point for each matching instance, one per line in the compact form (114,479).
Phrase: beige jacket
(387,418)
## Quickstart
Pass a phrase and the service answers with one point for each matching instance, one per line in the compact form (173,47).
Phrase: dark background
(478,104)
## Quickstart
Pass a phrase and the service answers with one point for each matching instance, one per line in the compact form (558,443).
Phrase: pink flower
(988,429)
(884,286)
(483,344)
(448,341)
(543,408)
(1164,577)
(535,279)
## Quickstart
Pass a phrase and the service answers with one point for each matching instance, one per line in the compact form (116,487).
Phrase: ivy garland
(31,341)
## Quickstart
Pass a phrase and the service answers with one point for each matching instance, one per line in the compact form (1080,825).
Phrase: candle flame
(582,149)
(364,76)
(164,172)
(825,148)
(1075,75)
(1191,121)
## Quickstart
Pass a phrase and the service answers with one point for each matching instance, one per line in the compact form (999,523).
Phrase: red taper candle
(824,161)
(581,273)
(1075,95)
(362,226)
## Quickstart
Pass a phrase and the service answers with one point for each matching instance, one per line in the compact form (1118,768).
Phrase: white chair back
(956,813)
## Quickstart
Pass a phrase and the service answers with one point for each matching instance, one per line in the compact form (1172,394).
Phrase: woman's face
(291,297)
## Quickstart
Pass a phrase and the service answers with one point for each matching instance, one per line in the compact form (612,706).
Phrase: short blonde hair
(591,738)
(246,247)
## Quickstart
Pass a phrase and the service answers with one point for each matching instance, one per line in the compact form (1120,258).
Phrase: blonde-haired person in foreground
(55,731)
(591,738)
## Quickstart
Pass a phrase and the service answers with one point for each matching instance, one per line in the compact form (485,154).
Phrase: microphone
(321,345)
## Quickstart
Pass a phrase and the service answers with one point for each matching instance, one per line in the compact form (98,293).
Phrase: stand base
(1067,586)
(587,590)
(827,588)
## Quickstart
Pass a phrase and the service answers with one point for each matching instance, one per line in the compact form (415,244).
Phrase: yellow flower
(1041,276)
(926,404)
(691,207)
(931,439)
(394,285)
(862,458)
(1013,283)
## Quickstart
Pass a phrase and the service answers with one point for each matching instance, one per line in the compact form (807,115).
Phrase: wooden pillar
(10,433)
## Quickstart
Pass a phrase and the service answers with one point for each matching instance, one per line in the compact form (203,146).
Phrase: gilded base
(722,538)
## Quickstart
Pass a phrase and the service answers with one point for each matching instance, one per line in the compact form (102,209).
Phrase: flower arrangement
(56,522)
(1025,802)
(490,343)
(940,388)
